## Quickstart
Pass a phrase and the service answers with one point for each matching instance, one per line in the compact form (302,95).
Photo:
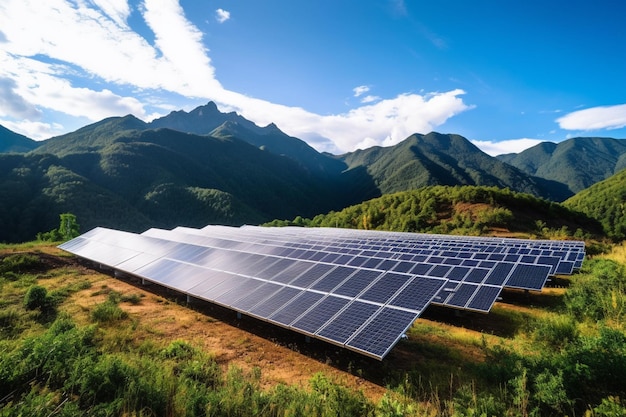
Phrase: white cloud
(360,90)
(369,99)
(82,61)
(595,118)
(222,15)
(13,104)
(506,146)
(117,10)
(34,130)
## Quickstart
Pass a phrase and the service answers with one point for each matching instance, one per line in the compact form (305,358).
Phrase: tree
(68,229)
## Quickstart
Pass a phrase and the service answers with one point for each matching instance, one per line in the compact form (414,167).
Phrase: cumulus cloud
(34,130)
(12,104)
(506,146)
(360,90)
(595,118)
(222,15)
(85,45)
(369,99)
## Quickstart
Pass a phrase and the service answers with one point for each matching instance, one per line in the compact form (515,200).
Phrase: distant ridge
(14,142)
(445,159)
(578,163)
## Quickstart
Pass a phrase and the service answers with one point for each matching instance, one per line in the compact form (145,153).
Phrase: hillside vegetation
(136,179)
(577,163)
(459,210)
(605,201)
(445,159)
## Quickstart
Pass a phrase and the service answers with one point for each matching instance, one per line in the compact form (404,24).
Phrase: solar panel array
(358,289)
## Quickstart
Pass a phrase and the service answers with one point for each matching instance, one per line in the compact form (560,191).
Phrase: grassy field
(77,341)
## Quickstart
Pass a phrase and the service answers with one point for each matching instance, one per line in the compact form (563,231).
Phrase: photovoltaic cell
(256,295)
(239,288)
(499,273)
(315,318)
(418,293)
(357,282)
(379,335)
(484,298)
(275,302)
(462,295)
(385,287)
(527,276)
(290,312)
(310,276)
(348,321)
(333,278)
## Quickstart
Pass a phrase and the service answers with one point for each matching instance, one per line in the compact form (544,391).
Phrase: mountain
(201,167)
(444,159)
(14,142)
(577,163)
(201,120)
(154,177)
(604,201)
(208,120)
(91,137)
(272,139)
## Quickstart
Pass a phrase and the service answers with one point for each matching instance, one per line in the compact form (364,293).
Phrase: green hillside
(438,159)
(14,142)
(578,162)
(459,210)
(606,202)
(135,179)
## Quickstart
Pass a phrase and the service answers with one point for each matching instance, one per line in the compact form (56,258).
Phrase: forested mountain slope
(606,202)
(134,179)
(204,166)
(578,162)
(438,159)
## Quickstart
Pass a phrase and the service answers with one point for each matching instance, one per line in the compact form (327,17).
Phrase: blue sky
(341,75)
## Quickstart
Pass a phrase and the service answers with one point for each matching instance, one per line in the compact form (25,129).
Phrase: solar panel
(355,288)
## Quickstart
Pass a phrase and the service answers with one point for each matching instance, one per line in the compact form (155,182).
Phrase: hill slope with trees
(606,202)
(577,163)
(136,179)
(444,159)
(459,210)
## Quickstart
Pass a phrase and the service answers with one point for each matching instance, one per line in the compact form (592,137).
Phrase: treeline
(466,210)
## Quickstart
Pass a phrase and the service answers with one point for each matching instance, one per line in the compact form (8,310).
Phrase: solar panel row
(357,289)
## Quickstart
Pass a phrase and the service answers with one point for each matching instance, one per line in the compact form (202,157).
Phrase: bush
(37,297)
(17,263)
(109,311)
(556,331)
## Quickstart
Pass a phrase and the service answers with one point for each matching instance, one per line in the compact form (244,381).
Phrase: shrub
(109,311)
(36,297)
(17,263)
